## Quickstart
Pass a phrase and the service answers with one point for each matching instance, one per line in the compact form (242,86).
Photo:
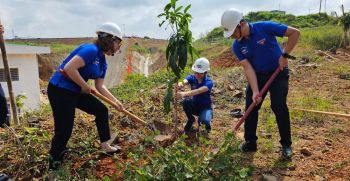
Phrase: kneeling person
(200,104)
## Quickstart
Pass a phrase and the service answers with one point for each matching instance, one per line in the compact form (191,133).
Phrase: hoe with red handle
(261,93)
(97,94)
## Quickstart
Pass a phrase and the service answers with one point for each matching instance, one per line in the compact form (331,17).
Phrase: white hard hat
(229,21)
(110,28)
(201,65)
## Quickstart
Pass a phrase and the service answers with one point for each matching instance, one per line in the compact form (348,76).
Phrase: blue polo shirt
(203,98)
(261,48)
(95,67)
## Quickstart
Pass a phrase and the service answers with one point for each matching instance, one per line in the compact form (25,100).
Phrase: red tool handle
(261,93)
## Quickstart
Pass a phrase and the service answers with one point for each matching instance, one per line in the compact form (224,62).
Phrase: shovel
(97,94)
(261,93)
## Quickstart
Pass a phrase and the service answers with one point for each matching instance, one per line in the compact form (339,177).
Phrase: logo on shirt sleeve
(244,50)
(262,41)
(96,62)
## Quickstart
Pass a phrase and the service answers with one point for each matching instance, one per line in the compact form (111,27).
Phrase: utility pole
(319,12)
(9,80)
(325,6)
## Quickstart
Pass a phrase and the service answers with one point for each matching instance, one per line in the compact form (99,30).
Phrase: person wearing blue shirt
(260,55)
(201,104)
(70,90)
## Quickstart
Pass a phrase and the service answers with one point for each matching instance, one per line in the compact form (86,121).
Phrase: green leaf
(173,3)
(178,9)
(187,8)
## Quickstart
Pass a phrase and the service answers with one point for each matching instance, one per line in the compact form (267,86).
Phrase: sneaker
(248,147)
(106,147)
(287,152)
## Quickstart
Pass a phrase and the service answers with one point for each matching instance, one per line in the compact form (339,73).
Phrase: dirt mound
(48,64)
(226,59)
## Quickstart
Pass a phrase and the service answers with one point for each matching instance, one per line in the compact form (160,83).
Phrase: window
(14,74)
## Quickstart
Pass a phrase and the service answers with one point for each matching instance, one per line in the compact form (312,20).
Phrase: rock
(266,177)
(238,94)
(305,152)
(125,122)
(162,138)
(231,88)
(162,127)
(319,178)
(344,76)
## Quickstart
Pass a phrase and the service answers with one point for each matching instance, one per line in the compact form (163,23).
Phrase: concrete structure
(24,69)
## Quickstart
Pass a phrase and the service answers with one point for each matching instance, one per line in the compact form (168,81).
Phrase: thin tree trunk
(9,80)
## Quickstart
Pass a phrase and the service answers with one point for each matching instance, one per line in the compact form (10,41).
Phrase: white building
(24,69)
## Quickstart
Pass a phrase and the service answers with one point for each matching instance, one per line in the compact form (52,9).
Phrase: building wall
(28,83)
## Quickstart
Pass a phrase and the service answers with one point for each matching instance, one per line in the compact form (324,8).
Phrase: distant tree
(345,22)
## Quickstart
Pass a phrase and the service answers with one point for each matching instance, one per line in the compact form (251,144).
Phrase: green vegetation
(179,46)
(306,21)
(138,48)
(55,47)
(322,38)
(197,162)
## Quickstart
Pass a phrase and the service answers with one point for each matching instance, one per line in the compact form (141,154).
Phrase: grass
(55,47)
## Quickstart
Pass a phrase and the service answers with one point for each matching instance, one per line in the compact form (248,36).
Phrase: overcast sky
(79,18)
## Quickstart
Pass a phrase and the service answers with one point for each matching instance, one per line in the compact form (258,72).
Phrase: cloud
(79,18)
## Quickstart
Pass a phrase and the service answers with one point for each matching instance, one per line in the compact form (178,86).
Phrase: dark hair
(105,43)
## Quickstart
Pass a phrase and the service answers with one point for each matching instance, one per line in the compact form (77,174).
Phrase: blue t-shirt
(203,98)
(261,48)
(95,67)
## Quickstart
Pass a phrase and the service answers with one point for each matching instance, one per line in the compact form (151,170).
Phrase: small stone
(305,152)
(268,177)
(162,138)
(319,178)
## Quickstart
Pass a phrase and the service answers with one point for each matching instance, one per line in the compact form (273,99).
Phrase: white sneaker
(105,146)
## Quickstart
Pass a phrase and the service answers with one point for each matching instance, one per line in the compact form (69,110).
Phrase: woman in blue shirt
(200,104)
(65,94)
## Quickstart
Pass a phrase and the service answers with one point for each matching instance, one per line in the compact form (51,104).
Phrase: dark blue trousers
(278,95)
(204,113)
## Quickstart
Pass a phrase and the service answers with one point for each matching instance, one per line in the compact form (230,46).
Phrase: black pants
(63,103)
(3,108)
(278,95)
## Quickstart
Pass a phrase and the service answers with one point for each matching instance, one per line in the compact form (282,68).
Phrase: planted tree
(179,47)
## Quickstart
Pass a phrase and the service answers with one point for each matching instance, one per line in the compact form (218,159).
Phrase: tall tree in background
(179,46)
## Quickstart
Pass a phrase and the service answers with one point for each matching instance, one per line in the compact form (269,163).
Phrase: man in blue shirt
(200,104)
(260,54)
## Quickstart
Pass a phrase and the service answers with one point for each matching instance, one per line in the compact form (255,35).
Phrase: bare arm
(104,91)
(71,68)
(293,35)
(194,92)
(252,80)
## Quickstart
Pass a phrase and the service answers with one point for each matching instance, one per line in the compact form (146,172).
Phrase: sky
(80,18)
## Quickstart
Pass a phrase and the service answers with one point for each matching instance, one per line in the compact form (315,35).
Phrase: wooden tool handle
(97,94)
(323,112)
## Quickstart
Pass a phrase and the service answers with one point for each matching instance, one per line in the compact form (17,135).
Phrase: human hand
(86,89)
(119,106)
(283,62)
(256,99)
(180,95)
